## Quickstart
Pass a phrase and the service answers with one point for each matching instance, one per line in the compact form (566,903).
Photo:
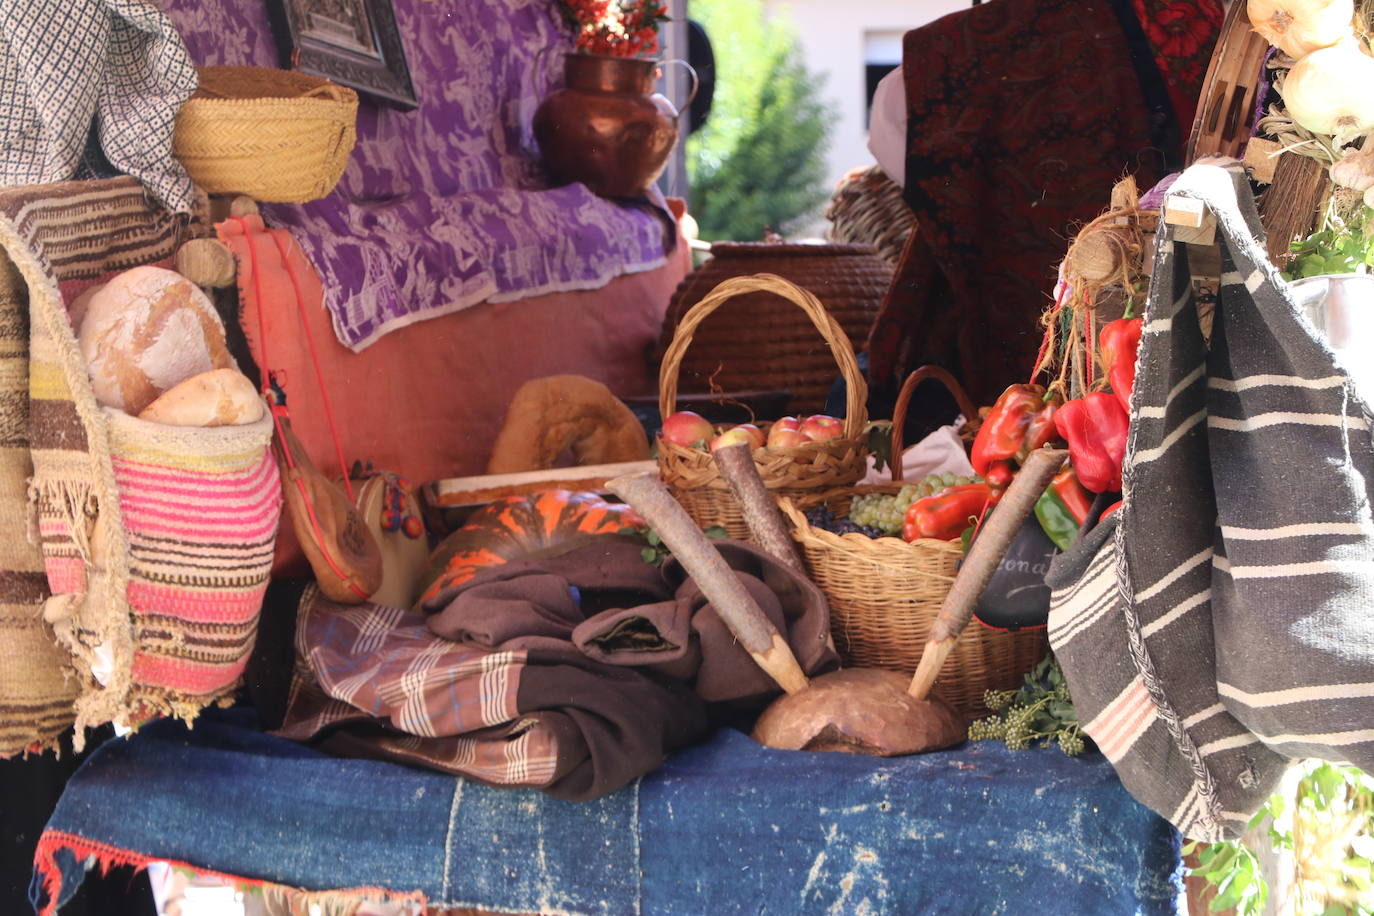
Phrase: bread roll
(221,397)
(146,331)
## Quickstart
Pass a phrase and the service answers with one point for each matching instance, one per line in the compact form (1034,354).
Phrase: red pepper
(1110,509)
(999,474)
(1118,344)
(1004,431)
(1040,431)
(1072,494)
(1095,428)
(946,514)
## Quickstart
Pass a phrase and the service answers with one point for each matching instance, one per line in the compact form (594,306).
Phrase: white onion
(1299,27)
(1328,92)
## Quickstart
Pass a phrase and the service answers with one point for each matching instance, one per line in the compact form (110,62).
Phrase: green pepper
(1056,519)
(1072,494)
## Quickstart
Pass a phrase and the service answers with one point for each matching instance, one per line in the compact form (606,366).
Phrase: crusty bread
(146,331)
(220,397)
(560,414)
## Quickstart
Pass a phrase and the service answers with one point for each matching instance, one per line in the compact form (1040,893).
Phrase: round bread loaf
(221,397)
(146,331)
(560,414)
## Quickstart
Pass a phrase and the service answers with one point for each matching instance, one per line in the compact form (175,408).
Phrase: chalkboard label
(1017,595)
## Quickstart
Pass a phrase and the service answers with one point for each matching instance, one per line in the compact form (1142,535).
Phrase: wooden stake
(989,547)
(760,510)
(717,581)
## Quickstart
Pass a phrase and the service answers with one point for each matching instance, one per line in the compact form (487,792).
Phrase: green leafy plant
(1233,872)
(878,438)
(655,551)
(1343,245)
(1327,829)
(1041,710)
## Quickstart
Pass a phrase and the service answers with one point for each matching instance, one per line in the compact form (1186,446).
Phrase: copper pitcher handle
(696,84)
(541,66)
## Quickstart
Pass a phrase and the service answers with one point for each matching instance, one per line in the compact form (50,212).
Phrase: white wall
(831,33)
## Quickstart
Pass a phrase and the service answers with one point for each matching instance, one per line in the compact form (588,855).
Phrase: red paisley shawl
(1022,115)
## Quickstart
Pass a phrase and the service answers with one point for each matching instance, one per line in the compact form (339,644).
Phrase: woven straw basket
(274,135)
(761,342)
(691,473)
(885,593)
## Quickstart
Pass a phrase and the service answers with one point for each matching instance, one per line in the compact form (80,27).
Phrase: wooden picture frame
(353,42)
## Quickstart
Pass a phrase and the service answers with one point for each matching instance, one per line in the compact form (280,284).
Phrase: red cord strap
(277,399)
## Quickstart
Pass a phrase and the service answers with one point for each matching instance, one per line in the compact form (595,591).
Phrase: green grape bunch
(885,511)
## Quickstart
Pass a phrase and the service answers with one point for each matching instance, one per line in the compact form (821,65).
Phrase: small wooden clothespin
(1193,222)
(206,263)
(1262,158)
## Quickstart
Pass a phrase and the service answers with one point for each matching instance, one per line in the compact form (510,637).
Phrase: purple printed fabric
(447,206)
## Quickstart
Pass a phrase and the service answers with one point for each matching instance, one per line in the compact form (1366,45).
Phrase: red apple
(755,434)
(819,427)
(780,426)
(687,428)
(738,434)
(786,438)
(787,423)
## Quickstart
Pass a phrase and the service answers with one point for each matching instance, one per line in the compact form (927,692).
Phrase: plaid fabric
(1225,627)
(452,707)
(68,64)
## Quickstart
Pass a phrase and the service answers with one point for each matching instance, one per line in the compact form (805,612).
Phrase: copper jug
(606,127)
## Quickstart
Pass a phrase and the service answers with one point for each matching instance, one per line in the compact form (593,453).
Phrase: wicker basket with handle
(885,593)
(274,135)
(761,342)
(691,473)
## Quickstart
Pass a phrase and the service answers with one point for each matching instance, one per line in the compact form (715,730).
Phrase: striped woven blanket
(1224,626)
(49,233)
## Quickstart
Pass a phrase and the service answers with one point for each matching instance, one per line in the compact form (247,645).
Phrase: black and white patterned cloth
(68,64)
(1225,624)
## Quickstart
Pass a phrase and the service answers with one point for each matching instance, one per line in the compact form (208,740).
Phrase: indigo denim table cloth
(724,827)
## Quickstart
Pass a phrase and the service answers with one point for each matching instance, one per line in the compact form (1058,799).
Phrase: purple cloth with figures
(447,206)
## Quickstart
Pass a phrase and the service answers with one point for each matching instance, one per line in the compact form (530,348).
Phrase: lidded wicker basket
(274,135)
(885,593)
(691,473)
(761,343)
(867,208)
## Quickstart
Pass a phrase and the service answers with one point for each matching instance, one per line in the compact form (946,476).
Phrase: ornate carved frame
(353,42)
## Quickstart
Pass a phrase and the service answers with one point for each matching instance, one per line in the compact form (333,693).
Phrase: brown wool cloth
(601,602)
(574,671)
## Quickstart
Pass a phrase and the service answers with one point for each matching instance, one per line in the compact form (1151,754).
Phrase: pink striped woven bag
(157,540)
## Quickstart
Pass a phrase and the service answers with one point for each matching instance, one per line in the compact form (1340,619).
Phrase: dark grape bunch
(822,517)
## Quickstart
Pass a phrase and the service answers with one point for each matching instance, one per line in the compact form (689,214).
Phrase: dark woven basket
(867,209)
(760,341)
